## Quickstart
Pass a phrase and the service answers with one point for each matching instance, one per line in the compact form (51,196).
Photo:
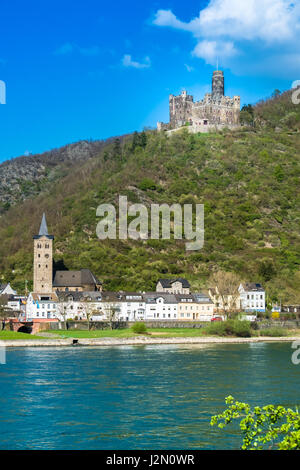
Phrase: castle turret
(217,85)
(42,264)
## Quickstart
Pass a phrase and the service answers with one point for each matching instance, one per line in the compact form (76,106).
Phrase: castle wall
(214,110)
(180,109)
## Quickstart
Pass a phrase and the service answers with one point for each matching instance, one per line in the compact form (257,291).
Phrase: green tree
(267,427)
(247,115)
(266,270)
(4,310)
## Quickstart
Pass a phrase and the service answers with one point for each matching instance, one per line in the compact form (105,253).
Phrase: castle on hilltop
(215,111)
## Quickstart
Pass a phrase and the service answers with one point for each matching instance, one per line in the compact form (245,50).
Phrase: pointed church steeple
(43,260)
(43,227)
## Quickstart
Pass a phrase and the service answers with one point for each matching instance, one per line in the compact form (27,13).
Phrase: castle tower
(42,263)
(217,85)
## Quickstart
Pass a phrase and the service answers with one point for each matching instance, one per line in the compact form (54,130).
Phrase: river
(137,397)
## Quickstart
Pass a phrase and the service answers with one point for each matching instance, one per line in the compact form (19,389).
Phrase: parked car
(217,319)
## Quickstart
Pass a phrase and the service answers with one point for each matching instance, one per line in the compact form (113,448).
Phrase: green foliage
(139,327)
(239,328)
(273,332)
(267,427)
(266,270)
(147,183)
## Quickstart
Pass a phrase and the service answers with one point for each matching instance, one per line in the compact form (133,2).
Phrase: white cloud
(66,48)
(69,48)
(233,28)
(211,51)
(128,62)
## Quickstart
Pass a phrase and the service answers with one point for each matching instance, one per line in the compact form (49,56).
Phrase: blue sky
(78,70)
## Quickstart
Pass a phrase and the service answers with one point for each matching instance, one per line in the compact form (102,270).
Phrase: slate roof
(39,297)
(253,287)
(151,297)
(167,283)
(43,232)
(94,296)
(75,278)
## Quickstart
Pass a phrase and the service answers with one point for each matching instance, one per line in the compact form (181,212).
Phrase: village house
(226,301)
(5,289)
(197,307)
(79,305)
(173,286)
(160,306)
(133,306)
(252,297)
(41,306)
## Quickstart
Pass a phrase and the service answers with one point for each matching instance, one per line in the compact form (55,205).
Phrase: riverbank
(142,340)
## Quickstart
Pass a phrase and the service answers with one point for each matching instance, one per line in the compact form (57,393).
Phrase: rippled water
(139,397)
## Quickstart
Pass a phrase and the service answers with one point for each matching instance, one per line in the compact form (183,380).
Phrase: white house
(160,306)
(80,306)
(133,306)
(5,289)
(42,306)
(252,297)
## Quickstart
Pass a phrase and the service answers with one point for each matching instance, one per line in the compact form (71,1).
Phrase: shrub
(139,327)
(147,183)
(241,329)
(216,328)
(273,332)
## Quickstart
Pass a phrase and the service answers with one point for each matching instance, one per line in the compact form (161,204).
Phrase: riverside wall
(83,325)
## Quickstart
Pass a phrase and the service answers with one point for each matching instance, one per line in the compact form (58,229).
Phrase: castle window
(46,246)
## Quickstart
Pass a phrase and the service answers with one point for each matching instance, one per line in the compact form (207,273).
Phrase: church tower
(42,263)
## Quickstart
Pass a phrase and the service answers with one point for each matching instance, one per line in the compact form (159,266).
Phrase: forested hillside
(248,181)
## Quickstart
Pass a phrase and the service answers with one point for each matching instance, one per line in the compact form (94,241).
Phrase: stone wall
(287,324)
(83,325)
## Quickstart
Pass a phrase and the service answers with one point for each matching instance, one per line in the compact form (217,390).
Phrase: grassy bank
(224,329)
(128,333)
(9,335)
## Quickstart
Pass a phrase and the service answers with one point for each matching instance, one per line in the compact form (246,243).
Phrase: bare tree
(4,310)
(88,308)
(227,289)
(62,310)
(111,313)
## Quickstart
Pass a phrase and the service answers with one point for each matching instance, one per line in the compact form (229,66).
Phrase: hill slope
(248,181)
